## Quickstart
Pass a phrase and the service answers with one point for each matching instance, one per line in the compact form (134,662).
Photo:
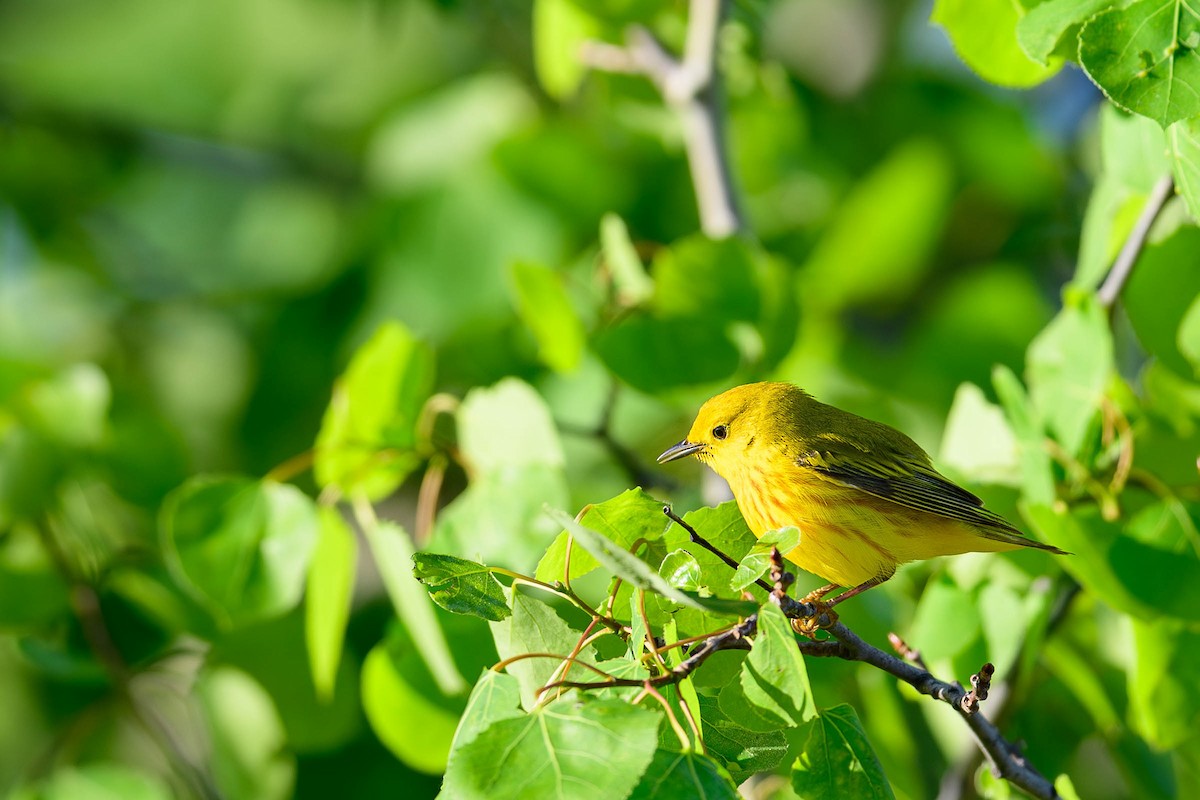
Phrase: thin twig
(1122,267)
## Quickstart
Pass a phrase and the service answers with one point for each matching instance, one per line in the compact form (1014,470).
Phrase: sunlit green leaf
(328,597)
(984,34)
(629,276)
(393,552)
(240,547)
(461,586)
(250,757)
(1183,146)
(96,780)
(946,621)
(560,28)
(1165,707)
(756,562)
(978,442)
(638,573)
(773,677)
(681,569)
(1144,58)
(1069,365)
(408,713)
(1159,294)
(534,627)
(1052,27)
(546,309)
(496,696)
(568,750)
(626,518)
(838,761)
(1036,475)
(367,442)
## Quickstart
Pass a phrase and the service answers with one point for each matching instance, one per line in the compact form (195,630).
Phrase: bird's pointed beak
(684,448)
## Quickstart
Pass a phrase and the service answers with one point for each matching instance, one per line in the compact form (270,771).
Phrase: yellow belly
(847,536)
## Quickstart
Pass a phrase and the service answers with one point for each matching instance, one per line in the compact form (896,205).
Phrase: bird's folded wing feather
(905,478)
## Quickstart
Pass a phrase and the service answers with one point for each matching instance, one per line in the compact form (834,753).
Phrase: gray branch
(1122,267)
(690,85)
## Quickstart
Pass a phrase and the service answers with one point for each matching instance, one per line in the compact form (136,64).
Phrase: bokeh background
(205,207)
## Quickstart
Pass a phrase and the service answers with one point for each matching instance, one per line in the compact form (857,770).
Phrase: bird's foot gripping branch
(675,678)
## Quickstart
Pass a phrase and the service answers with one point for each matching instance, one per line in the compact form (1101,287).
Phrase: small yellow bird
(864,496)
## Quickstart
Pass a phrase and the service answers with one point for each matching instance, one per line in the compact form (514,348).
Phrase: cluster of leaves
(737,714)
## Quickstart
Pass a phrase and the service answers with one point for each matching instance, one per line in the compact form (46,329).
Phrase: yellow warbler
(864,496)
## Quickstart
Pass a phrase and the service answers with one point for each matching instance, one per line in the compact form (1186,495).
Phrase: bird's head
(733,422)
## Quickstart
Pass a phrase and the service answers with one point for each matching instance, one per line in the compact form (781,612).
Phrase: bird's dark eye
(720,432)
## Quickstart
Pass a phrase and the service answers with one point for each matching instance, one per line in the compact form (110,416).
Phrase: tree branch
(1122,267)
(691,87)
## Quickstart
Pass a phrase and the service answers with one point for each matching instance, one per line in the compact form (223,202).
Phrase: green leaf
(629,276)
(393,552)
(460,586)
(877,247)
(673,776)
(1068,366)
(1160,293)
(838,761)
(1036,473)
(978,442)
(1183,147)
(773,677)
(507,425)
(546,310)
(535,628)
(368,440)
(984,34)
(1052,27)
(1132,150)
(644,351)
(496,696)
(591,750)
(1188,338)
(638,573)
(239,547)
(248,743)
(560,28)
(702,277)
(409,714)
(512,447)
(744,751)
(1163,702)
(1144,58)
(328,597)
(681,569)
(626,518)
(1132,576)
(72,407)
(756,562)
(946,621)
(96,780)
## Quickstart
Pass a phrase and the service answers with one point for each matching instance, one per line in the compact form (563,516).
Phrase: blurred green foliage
(291,290)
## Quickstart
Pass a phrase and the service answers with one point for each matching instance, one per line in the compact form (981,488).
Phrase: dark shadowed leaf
(838,761)
(461,586)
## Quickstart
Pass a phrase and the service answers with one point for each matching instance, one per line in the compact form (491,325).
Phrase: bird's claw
(823,617)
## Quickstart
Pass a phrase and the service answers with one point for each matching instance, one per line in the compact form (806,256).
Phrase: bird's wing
(906,478)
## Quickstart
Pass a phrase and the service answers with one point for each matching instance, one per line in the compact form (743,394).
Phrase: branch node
(981,684)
